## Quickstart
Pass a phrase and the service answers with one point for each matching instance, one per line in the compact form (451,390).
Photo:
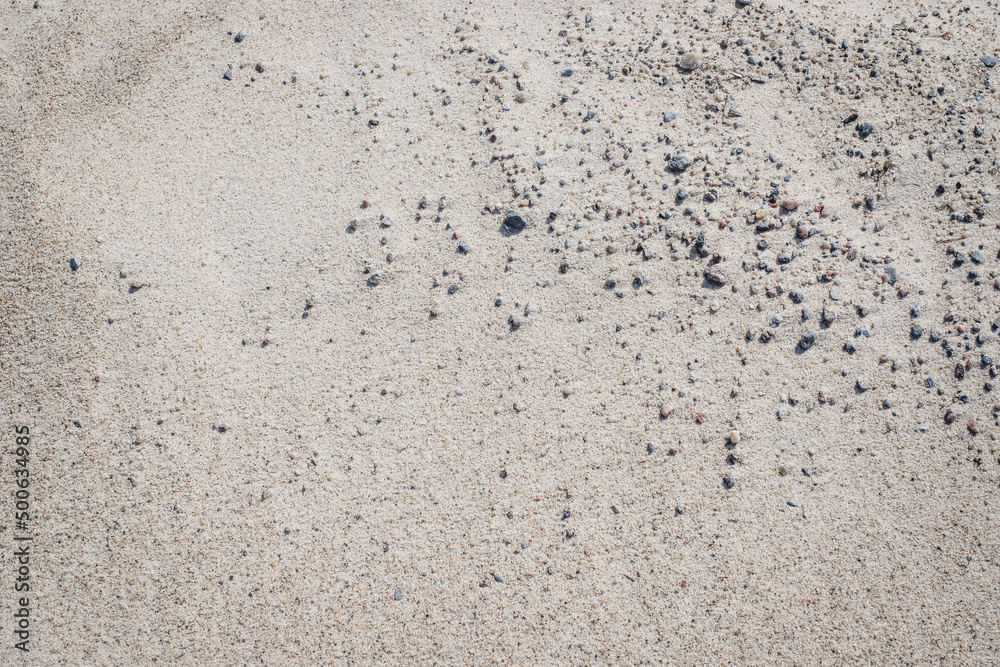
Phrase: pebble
(689,60)
(513,223)
(669,116)
(665,410)
(397,595)
(75,262)
(240,36)
(463,248)
(734,437)
(849,347)
(728,482)
(374,279)
(916,331)
(989,61)
(716,275)
(807,340)
(862,385)
(678,163)
(829,316)
(865,129)
(790,204)
(915,310)
(228,75)
(568,71)
(835,293)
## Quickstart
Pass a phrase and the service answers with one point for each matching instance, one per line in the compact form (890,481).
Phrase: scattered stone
(862,385)
(989,61)
(397,595)
(728,482)
(865,129)
(734,437)
(716,275)
(678,163)
(75,262)
(807,340)
(513,224)
(689,61)
(240,36)
(665,410)
(916,331)
(669,116)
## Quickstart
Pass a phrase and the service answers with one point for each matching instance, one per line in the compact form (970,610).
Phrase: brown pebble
(665,410)
(790,204)
(973,427)
(802,231)
(700,418)
(717,275)
(566,392)
(950,416)
(904,290)
(961,328)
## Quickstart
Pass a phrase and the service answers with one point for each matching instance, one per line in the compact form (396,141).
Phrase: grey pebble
(862,385)
(240,36)
(228,75)
(989,61)
(669,116)
(915,311)
(463,248)
(452,288)
(678,163)
(397,595)
(849,347)
(728,482)
(807,340)
(865,129)
(513,223)
(374,279)
(916,331)
(74,262)
(568,71)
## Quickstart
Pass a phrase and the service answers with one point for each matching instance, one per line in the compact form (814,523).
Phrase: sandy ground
(249,450)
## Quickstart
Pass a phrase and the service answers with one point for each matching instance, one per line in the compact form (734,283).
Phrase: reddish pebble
(950,416)
(973,428)
(567,391)
(700,418)
(665,410)
(790,204)
(961,328)
(802,231)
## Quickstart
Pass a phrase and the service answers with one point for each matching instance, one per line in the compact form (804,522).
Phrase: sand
(246,449)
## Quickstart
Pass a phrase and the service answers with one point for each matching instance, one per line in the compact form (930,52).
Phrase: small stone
(689,61)
(463,248)
(829,316)
(989,61)
(886,403)
(790,204)
(728,482)
(228,75)
(916,331)
(849,347)
(513,223)
(452,288)
(835,293)
(807,340)
(374,279)
(665,410)
(716,275)
(734,437)
(950,416)
(397,595)
(678,163)
(864,129)
(862,385)
(568,71)
(796,296)
(802,232)
(610,283)
(669,116)
(240,36)
(75,262)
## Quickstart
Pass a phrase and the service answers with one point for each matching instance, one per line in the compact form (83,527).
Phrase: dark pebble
(865,129)
(513,223)
(916,331)
(808,340)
